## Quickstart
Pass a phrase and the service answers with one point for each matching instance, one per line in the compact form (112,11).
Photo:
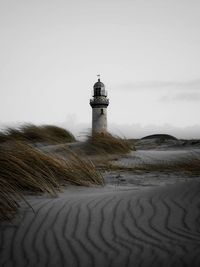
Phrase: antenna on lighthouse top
(98,77)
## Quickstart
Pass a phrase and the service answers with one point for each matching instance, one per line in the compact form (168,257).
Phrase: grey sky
(147,52)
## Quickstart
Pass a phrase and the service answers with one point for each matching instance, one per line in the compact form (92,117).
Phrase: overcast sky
(147,52)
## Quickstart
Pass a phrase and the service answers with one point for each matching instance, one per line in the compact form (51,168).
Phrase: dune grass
(9,198)
(190,167)
(24,169)
(30,133)
(105,143)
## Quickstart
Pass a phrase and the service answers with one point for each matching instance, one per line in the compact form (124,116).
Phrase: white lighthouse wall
(99,120)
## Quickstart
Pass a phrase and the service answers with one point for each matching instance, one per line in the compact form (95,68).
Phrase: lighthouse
(99,104)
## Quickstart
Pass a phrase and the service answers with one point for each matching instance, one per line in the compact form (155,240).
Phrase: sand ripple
(151,227)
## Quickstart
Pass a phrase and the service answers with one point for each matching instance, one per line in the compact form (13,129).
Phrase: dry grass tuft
(30,133)
(84,170)
(105,143)
(24,168)
(9,198)
(191,167)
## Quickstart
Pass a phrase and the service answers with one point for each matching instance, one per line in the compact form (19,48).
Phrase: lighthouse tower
(99,104)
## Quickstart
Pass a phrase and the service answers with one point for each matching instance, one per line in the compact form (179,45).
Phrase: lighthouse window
(97,91)
(102,111)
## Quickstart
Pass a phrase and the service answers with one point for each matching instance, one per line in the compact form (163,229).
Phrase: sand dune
(141,157)
(107,227)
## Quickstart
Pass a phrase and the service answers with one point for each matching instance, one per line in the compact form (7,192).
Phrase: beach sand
(109,226)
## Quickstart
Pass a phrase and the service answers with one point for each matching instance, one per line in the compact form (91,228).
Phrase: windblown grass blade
(24,168)
(30,133)
(105,143)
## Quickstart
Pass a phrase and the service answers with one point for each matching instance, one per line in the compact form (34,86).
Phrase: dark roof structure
(99,84)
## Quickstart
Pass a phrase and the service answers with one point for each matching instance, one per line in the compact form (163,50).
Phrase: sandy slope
(107,227)
(141,157)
